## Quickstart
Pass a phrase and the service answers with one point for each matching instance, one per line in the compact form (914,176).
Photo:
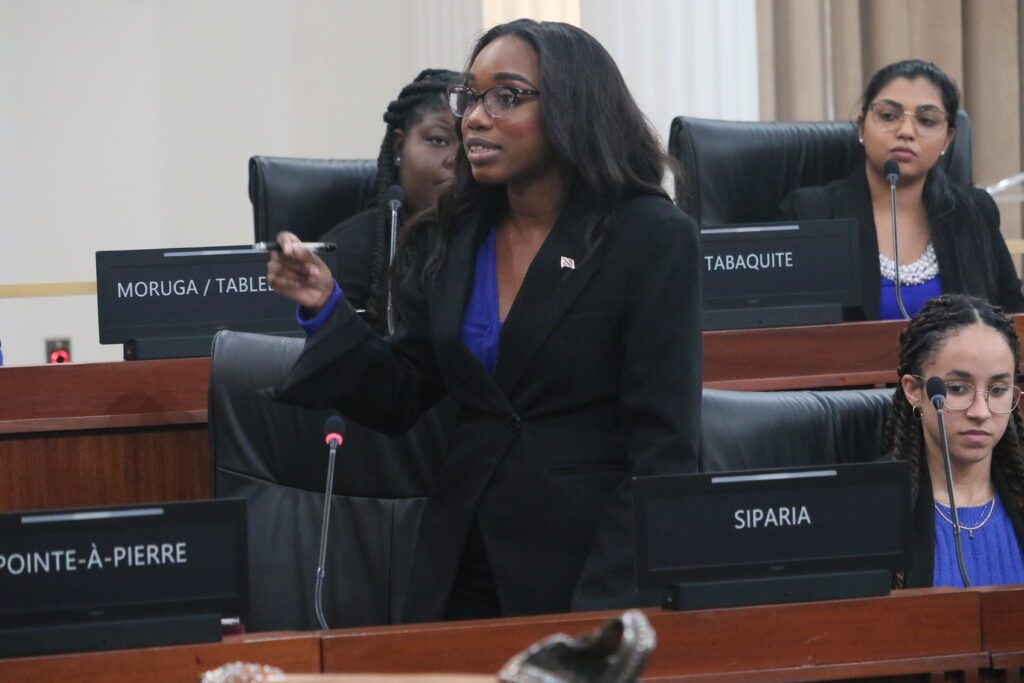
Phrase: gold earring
(917,412)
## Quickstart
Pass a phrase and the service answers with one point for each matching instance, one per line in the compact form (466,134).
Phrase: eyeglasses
(1002,398)
(498,101)
(929,121)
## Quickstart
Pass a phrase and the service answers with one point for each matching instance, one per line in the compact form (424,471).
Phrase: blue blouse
(993,557)
(914,297)
(480,330)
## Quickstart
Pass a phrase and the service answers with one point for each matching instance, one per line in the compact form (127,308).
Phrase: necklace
(922,270)
(970,529)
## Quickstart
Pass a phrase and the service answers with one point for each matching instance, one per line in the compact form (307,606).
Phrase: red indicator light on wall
(58,351)
(60,356)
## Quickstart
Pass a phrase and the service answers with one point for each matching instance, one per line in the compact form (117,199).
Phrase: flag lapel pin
(568,263)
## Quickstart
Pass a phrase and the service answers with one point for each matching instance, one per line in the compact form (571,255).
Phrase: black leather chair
(739,172)
(743,430)
(307,196)
(273,455)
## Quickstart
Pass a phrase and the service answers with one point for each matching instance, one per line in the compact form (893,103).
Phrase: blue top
(993,557)
(480,330)
(914,297)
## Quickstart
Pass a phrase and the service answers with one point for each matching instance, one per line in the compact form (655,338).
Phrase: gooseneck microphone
(334,430)
(394,204)
(936,390)
(892,174)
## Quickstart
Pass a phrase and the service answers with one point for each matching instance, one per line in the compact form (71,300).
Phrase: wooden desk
(133,432)
(930,633)
(1002,629)
(911,632)
(103,433)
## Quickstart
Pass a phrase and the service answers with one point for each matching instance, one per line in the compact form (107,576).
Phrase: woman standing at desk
(555,298)
(974,349)
(949,235)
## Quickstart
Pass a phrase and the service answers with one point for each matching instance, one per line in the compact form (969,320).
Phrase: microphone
(936,390)
(334,429)
(892,174)
(394,198)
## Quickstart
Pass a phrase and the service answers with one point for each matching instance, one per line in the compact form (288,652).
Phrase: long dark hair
(605,147)
(936,322)
(426,94)
(953,215)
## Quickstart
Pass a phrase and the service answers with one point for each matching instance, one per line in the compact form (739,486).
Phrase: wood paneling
(810,357)
(39,398)
(129,432)
(103,467)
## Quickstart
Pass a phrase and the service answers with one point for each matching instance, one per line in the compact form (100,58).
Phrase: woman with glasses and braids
(417,154)
(949,239)
(974,349)
(554,296)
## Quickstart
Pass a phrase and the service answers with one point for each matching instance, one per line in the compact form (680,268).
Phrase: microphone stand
(319,589)
(394,205)
(949,489)
(896,246)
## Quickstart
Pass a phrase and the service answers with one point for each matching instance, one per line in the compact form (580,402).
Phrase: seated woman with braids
(417,153)
(974,349)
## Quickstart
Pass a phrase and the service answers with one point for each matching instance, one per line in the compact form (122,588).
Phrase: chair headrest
(307,196)
(739,172)
(754,430)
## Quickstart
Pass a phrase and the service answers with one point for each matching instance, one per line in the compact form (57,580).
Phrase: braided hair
(938,320)
(425,95)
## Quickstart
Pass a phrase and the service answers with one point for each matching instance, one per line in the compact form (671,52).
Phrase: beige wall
(129,123)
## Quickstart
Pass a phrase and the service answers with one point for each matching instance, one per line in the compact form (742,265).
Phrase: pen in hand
(309,246)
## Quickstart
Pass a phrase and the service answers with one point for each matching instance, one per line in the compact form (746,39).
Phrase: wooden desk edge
(118,421)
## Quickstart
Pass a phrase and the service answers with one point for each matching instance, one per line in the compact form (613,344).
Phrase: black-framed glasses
(1002,398)
(498,101)
(929,120)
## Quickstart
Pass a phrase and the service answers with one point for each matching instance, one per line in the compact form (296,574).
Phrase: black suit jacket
(960,266)
(921,561)
(598,379)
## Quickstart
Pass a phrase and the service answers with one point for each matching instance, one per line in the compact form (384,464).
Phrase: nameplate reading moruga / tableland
(166,294)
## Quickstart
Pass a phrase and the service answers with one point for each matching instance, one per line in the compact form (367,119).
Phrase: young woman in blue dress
(974,348)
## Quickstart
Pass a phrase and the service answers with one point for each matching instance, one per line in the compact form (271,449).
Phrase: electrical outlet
(58,351)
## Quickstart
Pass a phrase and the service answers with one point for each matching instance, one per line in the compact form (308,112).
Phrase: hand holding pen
(296,271)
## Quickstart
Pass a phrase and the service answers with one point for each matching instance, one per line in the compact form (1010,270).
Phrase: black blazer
(598,379)
(960,266)
(921,560)
(354,257)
